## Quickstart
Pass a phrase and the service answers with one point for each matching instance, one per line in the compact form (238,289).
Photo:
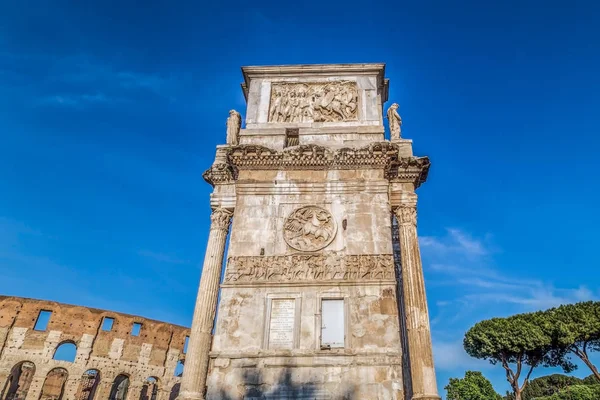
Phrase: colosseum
(54,351)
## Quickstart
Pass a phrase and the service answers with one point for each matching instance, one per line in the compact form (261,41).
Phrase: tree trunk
(517,391)
(591,366)
(517,395)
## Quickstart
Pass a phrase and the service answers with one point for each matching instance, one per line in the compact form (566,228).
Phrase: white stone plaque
(281,327)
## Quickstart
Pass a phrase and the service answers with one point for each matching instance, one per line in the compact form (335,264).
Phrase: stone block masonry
(322,294)
(108,359)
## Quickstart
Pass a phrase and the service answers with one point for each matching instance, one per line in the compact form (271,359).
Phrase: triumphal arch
(321,287)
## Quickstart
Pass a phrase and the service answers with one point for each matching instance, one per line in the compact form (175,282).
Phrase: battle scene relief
(309,267)
(309,228)
(313,102)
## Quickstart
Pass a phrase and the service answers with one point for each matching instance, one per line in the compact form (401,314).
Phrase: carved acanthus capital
(406,214)
(220,219)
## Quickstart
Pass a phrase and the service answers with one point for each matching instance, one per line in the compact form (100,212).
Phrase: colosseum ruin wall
(54,351)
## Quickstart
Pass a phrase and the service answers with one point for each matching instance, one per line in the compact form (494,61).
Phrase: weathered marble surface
(312,222)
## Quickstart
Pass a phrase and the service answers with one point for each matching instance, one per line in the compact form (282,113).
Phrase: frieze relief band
(313,102)
(309,267)
(220,219)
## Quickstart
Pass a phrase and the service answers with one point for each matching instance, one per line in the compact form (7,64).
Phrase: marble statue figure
(395,121)
(234,123)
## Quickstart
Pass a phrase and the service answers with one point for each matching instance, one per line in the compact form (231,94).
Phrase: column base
(190,396)
(426,397)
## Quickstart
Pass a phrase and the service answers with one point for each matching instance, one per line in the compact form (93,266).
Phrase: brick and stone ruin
(322,294)
(53,351)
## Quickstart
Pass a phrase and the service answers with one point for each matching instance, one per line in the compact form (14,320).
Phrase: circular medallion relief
(309,228)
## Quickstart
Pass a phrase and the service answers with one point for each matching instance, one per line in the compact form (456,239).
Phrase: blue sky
(110,112)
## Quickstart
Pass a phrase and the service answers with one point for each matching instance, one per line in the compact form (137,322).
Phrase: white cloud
(465,286)
(454,242)
(460,260)
(80,80)
(448,355)
(467,243)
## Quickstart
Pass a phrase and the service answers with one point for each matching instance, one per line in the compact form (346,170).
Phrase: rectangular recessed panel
(332,325)
(281,326)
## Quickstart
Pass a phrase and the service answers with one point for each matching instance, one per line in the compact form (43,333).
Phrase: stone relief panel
(314,102)
(309,267)
(309,228)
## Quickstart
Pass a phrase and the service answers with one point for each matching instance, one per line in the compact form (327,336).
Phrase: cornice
(220,173)
(377,155)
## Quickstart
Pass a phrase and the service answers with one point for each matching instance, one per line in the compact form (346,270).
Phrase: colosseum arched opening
(54,384)
(18,382)
(120,387)
(88,385)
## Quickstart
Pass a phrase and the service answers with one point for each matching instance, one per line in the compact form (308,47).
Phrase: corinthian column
(424,386)
(196,361)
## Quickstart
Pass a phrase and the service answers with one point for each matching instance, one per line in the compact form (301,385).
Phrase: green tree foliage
(519,344)
(545,386)
(474,386)
(576,330)
(590,380)
(575,392)
(549,385)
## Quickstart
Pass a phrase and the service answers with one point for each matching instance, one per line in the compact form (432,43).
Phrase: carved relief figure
(309,267)
(395,122)
(313,102)
(275,113)
(309,228)
(234,124)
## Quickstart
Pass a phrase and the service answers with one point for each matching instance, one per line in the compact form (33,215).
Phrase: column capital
(406,214)
(220,219)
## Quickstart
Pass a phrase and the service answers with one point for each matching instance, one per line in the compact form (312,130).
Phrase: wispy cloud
(466,263)
(79,81)
(450,354)
(162,257)
(76,100)
(457,242)
(466,285)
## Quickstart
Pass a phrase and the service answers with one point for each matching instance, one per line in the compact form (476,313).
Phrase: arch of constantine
(54,351)
(321,286)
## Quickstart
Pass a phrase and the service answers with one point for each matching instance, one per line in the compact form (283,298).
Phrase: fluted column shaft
(195,370)
(424,386)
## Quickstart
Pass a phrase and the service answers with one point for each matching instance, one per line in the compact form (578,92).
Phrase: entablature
(383,155)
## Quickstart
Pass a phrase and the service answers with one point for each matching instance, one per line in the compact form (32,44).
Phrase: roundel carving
(309,228)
